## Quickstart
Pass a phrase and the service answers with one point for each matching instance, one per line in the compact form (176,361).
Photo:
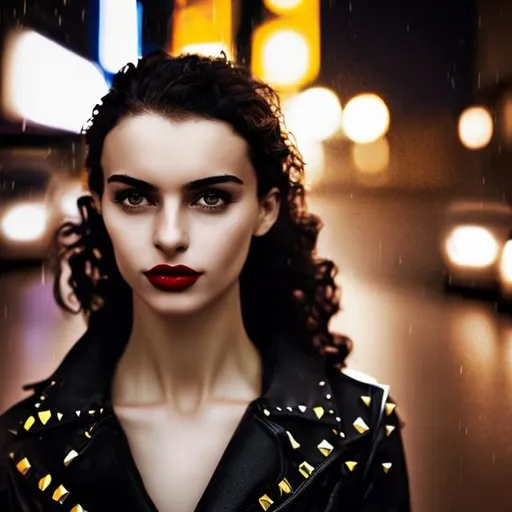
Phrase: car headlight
(472,246)
(506,264)
(24,222)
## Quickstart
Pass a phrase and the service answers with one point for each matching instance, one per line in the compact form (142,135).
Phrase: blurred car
(476,246)
(34,200)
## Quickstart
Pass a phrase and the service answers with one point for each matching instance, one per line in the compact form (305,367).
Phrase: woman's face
(157,209)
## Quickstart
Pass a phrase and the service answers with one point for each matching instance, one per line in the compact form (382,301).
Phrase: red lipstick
(173,278)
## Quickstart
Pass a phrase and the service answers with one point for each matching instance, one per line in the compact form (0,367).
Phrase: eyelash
(121,195)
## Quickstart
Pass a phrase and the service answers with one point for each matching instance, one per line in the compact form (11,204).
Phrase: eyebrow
(191,185)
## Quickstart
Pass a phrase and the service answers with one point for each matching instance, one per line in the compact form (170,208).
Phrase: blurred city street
(447,359)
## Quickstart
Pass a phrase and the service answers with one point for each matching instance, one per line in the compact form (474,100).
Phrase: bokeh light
(285,57)
(314,114)
(475,127)
(371,158)
(366,118)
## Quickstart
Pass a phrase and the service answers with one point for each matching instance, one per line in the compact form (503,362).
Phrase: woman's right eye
(133,196)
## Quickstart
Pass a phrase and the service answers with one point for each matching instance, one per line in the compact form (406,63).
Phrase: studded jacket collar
(317,440)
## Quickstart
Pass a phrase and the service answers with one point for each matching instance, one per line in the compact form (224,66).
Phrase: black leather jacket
(316,440)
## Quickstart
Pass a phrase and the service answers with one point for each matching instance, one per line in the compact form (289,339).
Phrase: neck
(188,361)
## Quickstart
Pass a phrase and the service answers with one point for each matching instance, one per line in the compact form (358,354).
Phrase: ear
(268,212)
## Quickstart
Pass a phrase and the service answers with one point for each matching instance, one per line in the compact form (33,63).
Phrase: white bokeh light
(475,127)
(314,114)
(365,118)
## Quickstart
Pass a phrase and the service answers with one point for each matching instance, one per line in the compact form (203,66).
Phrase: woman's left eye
(213,200)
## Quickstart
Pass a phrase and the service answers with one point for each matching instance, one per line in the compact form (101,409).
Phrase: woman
(207,379)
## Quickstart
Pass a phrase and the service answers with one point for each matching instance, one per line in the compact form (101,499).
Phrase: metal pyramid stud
(325,447)
(77,508)
(386,466)
(389,429)
(293,442)
(265,502)
(285,487)
(44,416)
(29,422)
(390,407)
(23,466)
(351,464)
(60,494)
(319,411)
(367,400)
(45,482)
(302,408)
(69,457)
(361,426)
(306,469)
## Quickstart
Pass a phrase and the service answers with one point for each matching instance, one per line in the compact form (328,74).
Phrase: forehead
(160,147)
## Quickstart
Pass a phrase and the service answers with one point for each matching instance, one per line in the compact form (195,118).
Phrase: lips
(172,277)
(172,270)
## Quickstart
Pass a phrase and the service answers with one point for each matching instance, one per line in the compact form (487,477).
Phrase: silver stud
(321,383)
(328,396)
(289,409)
(302,408)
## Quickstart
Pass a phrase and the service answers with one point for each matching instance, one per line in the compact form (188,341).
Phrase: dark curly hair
(284,286)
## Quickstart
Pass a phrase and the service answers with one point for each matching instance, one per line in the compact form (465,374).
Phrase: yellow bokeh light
(475,127)
(285,57)
(282,6)
(365,118)
(314,114)
(371,158)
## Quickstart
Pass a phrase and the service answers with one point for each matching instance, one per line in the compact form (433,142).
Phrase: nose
(171,233)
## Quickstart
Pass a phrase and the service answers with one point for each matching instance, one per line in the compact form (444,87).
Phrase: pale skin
(189,370)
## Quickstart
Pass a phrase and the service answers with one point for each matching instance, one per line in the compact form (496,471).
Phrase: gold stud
(266,412)
(59,416)
(11,455)
(306,469)
(45,482)
(23,466)
(265,502)
(285,487)
(389,429)
(361,426)
(325,447)
(319,411)
(69,457)
(60,494)
(44,416)
(302,408)
(386,466)
(92,412)
(350,464)
(367,400)
(28,424)
(390,407)
(293,442)
(335,432)
(86,434)
(77,508)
